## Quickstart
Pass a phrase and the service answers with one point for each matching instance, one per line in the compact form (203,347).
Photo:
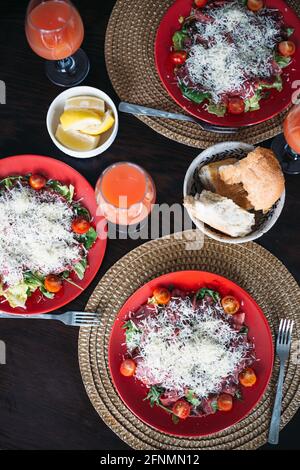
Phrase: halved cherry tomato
(287,48)
(181,409)
(80,225)
(225,402)
(200,3)
(178,57)
(255,5)
(37,181)
(230,304)
(247,378)
(236,105)
(53,283)
(128,368)
(161,295)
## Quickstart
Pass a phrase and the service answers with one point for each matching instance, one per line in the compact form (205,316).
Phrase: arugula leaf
(33,281)
(80,268)
(9,181)
(132,333)
(154,395)
(289,31)
(82,211)
(193,95)
(277,84)
(178,40)
(282,61)
(89,238)
(214,405)
(238,395)
(217,109)
(204,291)
(244,330)
(252,104)
(47,294)
(191,398)
(175,419)
(63,189)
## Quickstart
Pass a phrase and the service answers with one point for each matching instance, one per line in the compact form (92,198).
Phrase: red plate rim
(54,168)
(132,392)
(270,107)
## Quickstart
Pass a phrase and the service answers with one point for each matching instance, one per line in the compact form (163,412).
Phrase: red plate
(55,169)
(270,107)
(133,392)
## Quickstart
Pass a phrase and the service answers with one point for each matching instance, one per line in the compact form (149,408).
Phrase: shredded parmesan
(236,46)
(35,234)
(185,347)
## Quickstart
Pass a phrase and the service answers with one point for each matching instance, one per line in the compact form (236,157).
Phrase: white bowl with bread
(234,192)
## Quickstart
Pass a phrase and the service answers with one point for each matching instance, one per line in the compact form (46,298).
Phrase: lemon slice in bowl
(107,123)
(85,102)
(83,120)
(76,140)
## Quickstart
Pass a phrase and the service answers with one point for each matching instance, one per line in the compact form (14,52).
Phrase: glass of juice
(55,31)
(125,195)
(287,145)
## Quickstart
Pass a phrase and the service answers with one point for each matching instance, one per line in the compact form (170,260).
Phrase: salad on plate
(229,54)
(44,240)
(191,351)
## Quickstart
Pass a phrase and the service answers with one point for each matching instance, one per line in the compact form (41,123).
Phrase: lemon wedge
(85,102)
(83,120)
(76,140)
(107,122)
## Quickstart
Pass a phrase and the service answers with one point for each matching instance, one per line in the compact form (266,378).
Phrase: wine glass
(287,145)
(55,31)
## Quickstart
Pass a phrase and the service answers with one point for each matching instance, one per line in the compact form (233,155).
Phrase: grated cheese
(35,234)
(199,357)
(238,46)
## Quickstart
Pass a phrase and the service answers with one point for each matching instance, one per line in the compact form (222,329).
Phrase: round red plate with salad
(229,62)
(191,353)
(52,242)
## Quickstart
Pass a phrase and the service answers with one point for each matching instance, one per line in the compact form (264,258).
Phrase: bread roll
(220,213)
(210,178)
(261,176)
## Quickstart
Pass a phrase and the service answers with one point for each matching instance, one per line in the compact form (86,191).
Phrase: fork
(68,318)
(283,346)
(144,111)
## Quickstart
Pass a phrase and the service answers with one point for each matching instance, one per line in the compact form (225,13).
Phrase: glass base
(289,160)
(70,71)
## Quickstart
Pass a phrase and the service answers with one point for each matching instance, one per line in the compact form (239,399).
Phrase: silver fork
(138,110)
(283,346)
(68,318)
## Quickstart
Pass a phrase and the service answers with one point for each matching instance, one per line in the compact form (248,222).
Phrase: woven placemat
(129,52)
(250,266)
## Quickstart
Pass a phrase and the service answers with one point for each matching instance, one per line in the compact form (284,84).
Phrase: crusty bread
(210,178)
(261,176)
(220,213)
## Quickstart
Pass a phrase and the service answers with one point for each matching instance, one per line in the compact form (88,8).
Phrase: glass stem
(66,65)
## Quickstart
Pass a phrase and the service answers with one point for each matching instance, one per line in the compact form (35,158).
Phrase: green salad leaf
(252,104)
(81,211)
(154,395)
(80,268)
(282,61)
(214,405)
(191,398)
(89,238)
(211,293)
(244,330)
(277,84)
(132,333)
(63,189)
(178,40)
(289,31)
(193,95)
(238,395)
(217,109)
(9,181)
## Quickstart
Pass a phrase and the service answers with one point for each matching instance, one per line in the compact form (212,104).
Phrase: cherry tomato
(247,378)
(178,57)
(37,181)
(161,295)
(225,402)
(200,3)
(181,409)
(53,283)
(287,48)
(128,368)
(255,5)
(80,225)
(230,304)
(236,105)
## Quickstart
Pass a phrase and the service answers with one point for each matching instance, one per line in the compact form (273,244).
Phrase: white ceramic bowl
(57,107)
(218,152)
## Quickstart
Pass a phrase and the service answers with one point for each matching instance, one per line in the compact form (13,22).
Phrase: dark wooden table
(43,404)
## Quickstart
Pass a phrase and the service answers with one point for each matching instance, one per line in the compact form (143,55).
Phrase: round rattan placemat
(129,52)
(250,266)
